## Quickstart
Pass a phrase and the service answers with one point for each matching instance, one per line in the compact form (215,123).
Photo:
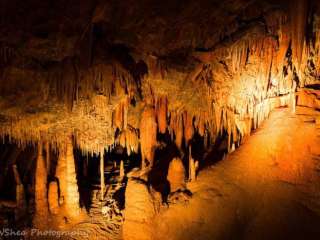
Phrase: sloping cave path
(267,189)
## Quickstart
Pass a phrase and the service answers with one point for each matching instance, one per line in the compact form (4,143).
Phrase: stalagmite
(61,172)
(72,197)
(53,197)
(41,201)
(192,167)
(20,195)
(148,136)
(176,175)
(102,184)
(121,175)
(66,174)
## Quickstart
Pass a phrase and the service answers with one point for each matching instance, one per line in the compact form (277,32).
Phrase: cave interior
(150,120)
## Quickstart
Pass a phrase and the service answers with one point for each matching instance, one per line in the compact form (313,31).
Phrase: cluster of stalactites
(223,121)
(68,83)
(129,139)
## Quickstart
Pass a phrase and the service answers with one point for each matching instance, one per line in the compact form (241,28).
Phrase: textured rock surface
(139,211)
(41,200)
(260,191)
(176,175)
(147,79)
(90,69)
(53,197)
(66,174)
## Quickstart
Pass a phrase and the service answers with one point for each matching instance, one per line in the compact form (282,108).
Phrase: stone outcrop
(139,211)
(176,175)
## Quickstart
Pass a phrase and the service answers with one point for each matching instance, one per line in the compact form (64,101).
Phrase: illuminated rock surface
(193,118)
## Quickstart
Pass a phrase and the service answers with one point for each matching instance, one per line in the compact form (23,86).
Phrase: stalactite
(298,28)
(188,127)
(176,124)
(120,118)
(202,123)
(41,201)
(129,139)
(48,157)
(162,109)
(148,136)
(284,41)
(132,141)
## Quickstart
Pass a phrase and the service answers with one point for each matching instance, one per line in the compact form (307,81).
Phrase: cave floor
(269,188)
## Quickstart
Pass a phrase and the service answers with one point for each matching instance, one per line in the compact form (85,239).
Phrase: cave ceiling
(94,69)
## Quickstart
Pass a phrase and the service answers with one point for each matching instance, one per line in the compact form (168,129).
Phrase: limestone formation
(192,167)
(85,85)
(72,192)
(41,202)
(139,211)
(53,197)
(102,183)
(121,171)
(148,136)
(176,175)
(21,207)
(66,174)
(162,109)
(61,172)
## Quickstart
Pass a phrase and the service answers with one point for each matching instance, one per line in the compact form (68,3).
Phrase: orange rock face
(53,197)
(41,201)
(148,136)
(66,174)
(162,109)
(176,175)
(139,211)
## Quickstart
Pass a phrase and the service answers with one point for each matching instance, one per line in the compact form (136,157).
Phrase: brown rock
(176,175)
(41,201)
(148,136)
(53,197)
(139,211)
